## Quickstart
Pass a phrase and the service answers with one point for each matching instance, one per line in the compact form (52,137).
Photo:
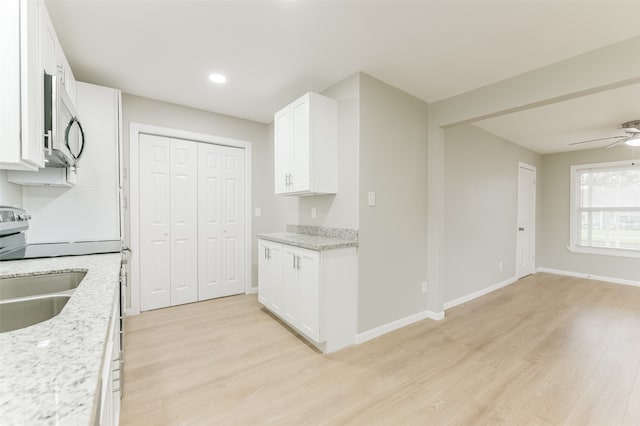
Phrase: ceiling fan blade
(620,141)
(599,139)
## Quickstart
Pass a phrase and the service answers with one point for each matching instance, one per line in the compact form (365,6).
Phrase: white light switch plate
(372,199)
(314,213)
(258,212)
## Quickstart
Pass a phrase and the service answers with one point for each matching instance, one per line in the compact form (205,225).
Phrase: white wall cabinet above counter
(306,146)
(30,48)
(21,86)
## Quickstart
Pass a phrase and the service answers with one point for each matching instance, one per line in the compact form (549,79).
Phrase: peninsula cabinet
(314,292)
(306,146)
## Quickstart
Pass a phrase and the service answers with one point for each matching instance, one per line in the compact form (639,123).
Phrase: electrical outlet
(500,265)
(314,213)
(424,287)
(372,199)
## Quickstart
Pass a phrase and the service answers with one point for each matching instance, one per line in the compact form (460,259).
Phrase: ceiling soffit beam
(606,68)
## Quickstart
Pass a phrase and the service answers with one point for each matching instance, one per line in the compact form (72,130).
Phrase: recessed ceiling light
(217,78)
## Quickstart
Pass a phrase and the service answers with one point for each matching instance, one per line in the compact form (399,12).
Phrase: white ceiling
(273,51)
(552,128)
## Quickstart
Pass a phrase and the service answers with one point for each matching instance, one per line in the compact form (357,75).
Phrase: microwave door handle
(75,121)
(81,130)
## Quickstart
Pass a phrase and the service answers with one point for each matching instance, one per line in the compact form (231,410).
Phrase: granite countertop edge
(50,371)
(310,242)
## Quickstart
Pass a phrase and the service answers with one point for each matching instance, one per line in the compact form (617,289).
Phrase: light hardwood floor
(545,350)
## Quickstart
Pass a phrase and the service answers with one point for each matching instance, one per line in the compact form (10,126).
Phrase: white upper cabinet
(53,59)
(29,47)
(306,146)
(21,92)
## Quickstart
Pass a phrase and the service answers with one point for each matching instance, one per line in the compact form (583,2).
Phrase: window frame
(575,212)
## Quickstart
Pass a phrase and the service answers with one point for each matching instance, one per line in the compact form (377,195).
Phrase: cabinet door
(184,222)
(31,84)
(292,290)
(20,86)
(63,69)
(282,150)
(47,43)
(155,223)
(275,277)
(301,276)
(300,147)
(10,150)
(309,293)
(265,290)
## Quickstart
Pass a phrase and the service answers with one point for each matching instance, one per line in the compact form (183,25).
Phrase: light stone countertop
(49,372)
(311,242)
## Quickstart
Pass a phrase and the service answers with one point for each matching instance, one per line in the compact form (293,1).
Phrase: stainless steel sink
(12,288)
(20,313)
(29,300)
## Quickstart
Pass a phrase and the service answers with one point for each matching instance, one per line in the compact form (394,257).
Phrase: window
(605,208)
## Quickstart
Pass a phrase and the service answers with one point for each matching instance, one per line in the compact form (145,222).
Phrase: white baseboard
(252,290)
(476,294)
(394,325)
(589,276)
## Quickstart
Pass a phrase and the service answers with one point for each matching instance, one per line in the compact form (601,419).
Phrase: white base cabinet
(312,291)
(109,408)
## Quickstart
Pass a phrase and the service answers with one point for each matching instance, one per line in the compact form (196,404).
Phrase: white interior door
(220,221)
(233,221)
(525,242)
(184,222)
(155,224)
(209,221)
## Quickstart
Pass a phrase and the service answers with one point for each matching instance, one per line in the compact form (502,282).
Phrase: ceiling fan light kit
(634,141)
(632,137)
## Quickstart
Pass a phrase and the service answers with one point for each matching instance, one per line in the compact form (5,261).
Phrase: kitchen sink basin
(12,288)
(20,313)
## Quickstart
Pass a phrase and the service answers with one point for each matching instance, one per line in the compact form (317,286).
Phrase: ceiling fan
(632,137)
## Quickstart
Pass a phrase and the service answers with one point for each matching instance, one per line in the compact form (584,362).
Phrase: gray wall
(340,210)
(552,250)
(392,252)
(481,206)
(274,210)
(10,193)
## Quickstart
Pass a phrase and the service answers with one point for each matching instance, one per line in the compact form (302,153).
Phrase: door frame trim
(522,165)
(135,129)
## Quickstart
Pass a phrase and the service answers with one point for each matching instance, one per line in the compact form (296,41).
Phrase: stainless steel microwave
(64,136)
